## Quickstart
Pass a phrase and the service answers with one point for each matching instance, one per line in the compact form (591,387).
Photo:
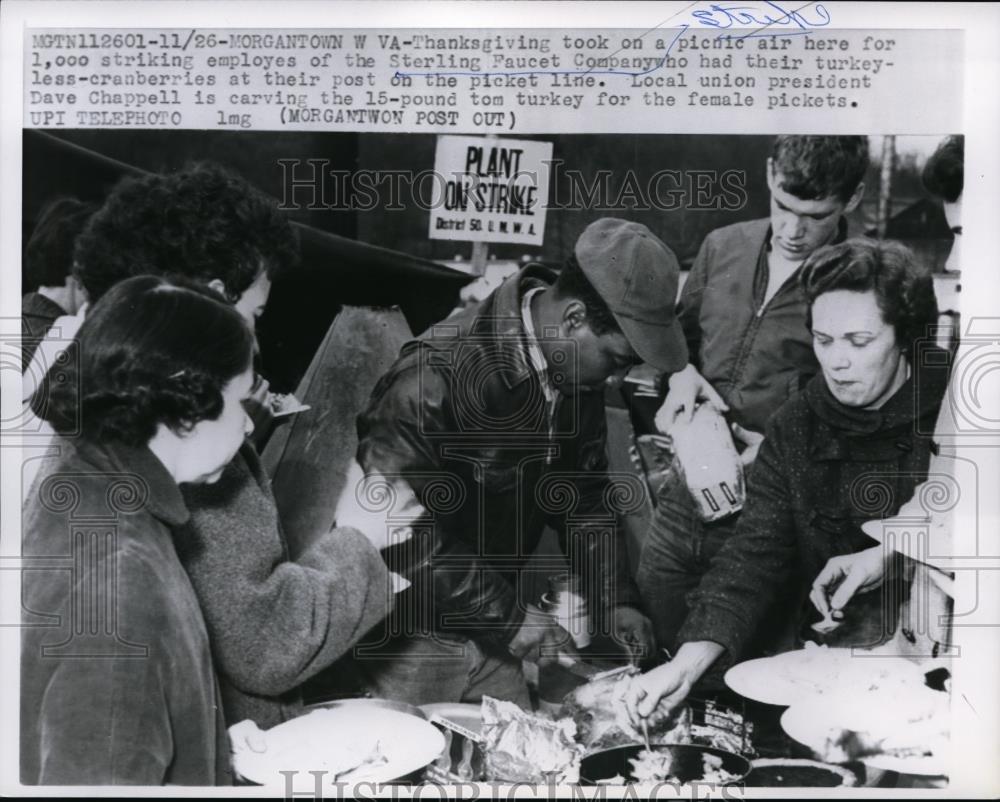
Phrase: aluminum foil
(521,747)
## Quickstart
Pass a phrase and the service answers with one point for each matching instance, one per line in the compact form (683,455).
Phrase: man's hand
(632,628)
(687,387)
(540,639)
(383,512)
(664,687)
(844,576)
(751,442)
(667,686)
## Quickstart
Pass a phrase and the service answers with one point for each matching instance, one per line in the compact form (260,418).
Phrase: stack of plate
(847,704)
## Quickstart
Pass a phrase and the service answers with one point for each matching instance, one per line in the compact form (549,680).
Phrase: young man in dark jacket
(496,418)
(743,315)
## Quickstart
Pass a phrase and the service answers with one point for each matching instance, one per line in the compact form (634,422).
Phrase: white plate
(812,725)
(796,676)
(933,548)
(332,739)
(928,541)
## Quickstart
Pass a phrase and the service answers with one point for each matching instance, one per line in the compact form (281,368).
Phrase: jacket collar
(35,303)
(498,318)
(918,398)
(839,237)
(163,500)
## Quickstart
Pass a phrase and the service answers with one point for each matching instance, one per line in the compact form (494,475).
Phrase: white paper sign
(490,190)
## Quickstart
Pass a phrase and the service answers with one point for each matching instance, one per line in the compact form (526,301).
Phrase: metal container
(799,773)
(688,763)
(463,759)
(362,703)
(707,461)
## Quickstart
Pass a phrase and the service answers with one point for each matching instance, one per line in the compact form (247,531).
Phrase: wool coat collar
(879,433)
(162,497)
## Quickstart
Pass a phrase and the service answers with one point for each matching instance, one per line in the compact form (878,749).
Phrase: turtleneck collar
(919,396)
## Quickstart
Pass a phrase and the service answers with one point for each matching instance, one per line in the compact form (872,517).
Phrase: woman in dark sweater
(117,683)
(851,447)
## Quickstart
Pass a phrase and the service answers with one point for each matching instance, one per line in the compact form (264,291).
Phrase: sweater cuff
(357,547)
(712,624)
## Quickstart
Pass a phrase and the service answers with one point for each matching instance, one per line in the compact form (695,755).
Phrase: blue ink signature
(730,15)
(724,16)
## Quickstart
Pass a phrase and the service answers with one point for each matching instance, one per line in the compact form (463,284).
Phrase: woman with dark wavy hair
(276,619)
(117,683)
(850,447)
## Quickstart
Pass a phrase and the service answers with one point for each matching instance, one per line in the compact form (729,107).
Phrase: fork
(645,734)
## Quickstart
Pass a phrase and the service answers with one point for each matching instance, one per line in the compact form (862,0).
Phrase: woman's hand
(844,576)
(383,511)
(257,406)
(246,736)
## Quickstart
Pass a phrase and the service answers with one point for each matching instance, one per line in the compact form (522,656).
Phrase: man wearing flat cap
(496,418)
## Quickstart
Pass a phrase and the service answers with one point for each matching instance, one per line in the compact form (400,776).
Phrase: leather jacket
(462,416)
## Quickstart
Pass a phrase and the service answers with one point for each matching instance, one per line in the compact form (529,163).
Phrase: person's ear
(770,174)
(855,199)
(76,291)
(217,285)
(574,316)
(183,430)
